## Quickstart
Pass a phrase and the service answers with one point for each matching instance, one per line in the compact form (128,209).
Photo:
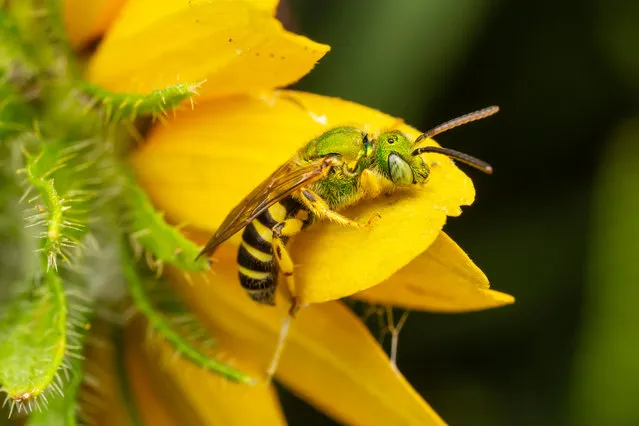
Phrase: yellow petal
(330,358)
(442,279)
(212,399)
(204,162)
(153,409)
(236,46)
(87,20)
(335,261)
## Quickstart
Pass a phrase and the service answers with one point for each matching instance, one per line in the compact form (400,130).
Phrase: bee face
(394,159)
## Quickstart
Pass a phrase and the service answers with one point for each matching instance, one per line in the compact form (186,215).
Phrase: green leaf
(606,377)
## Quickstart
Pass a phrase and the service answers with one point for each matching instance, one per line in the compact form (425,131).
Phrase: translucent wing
(283,182)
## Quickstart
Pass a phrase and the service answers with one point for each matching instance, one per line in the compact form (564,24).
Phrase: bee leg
(320,209)
(370,184)
(279,347)
(281,232)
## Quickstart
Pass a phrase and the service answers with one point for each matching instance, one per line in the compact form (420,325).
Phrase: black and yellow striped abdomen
(257,268)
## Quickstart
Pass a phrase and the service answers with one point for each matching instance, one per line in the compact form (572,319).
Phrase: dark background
(557,225)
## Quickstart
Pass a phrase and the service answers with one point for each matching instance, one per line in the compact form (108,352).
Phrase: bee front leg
(321,209)
(369,183)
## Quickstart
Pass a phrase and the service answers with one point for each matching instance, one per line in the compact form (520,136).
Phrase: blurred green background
(557,225)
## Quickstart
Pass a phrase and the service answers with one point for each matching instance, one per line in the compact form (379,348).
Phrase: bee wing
(284,181)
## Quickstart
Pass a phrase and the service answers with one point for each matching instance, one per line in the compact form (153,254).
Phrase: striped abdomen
(257,268)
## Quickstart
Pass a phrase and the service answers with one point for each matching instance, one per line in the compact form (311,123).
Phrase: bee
(341,167)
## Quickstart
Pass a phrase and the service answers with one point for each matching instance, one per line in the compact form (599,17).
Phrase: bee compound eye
(400,171)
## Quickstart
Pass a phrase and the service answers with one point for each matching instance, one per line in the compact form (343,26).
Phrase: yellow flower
(201,163)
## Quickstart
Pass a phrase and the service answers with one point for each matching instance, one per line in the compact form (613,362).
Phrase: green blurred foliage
(549,227)
(606,376)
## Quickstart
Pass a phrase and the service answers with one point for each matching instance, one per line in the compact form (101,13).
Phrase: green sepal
(61,200)
(62,192)
(62,408)
(149,231)
(83,283)
(128,106)
(160,324)
(33,335)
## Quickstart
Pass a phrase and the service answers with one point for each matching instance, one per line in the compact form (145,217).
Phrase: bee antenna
(464,158)
(455,122)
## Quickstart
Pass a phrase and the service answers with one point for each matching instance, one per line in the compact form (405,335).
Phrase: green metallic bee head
(399,159)
(395,160)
